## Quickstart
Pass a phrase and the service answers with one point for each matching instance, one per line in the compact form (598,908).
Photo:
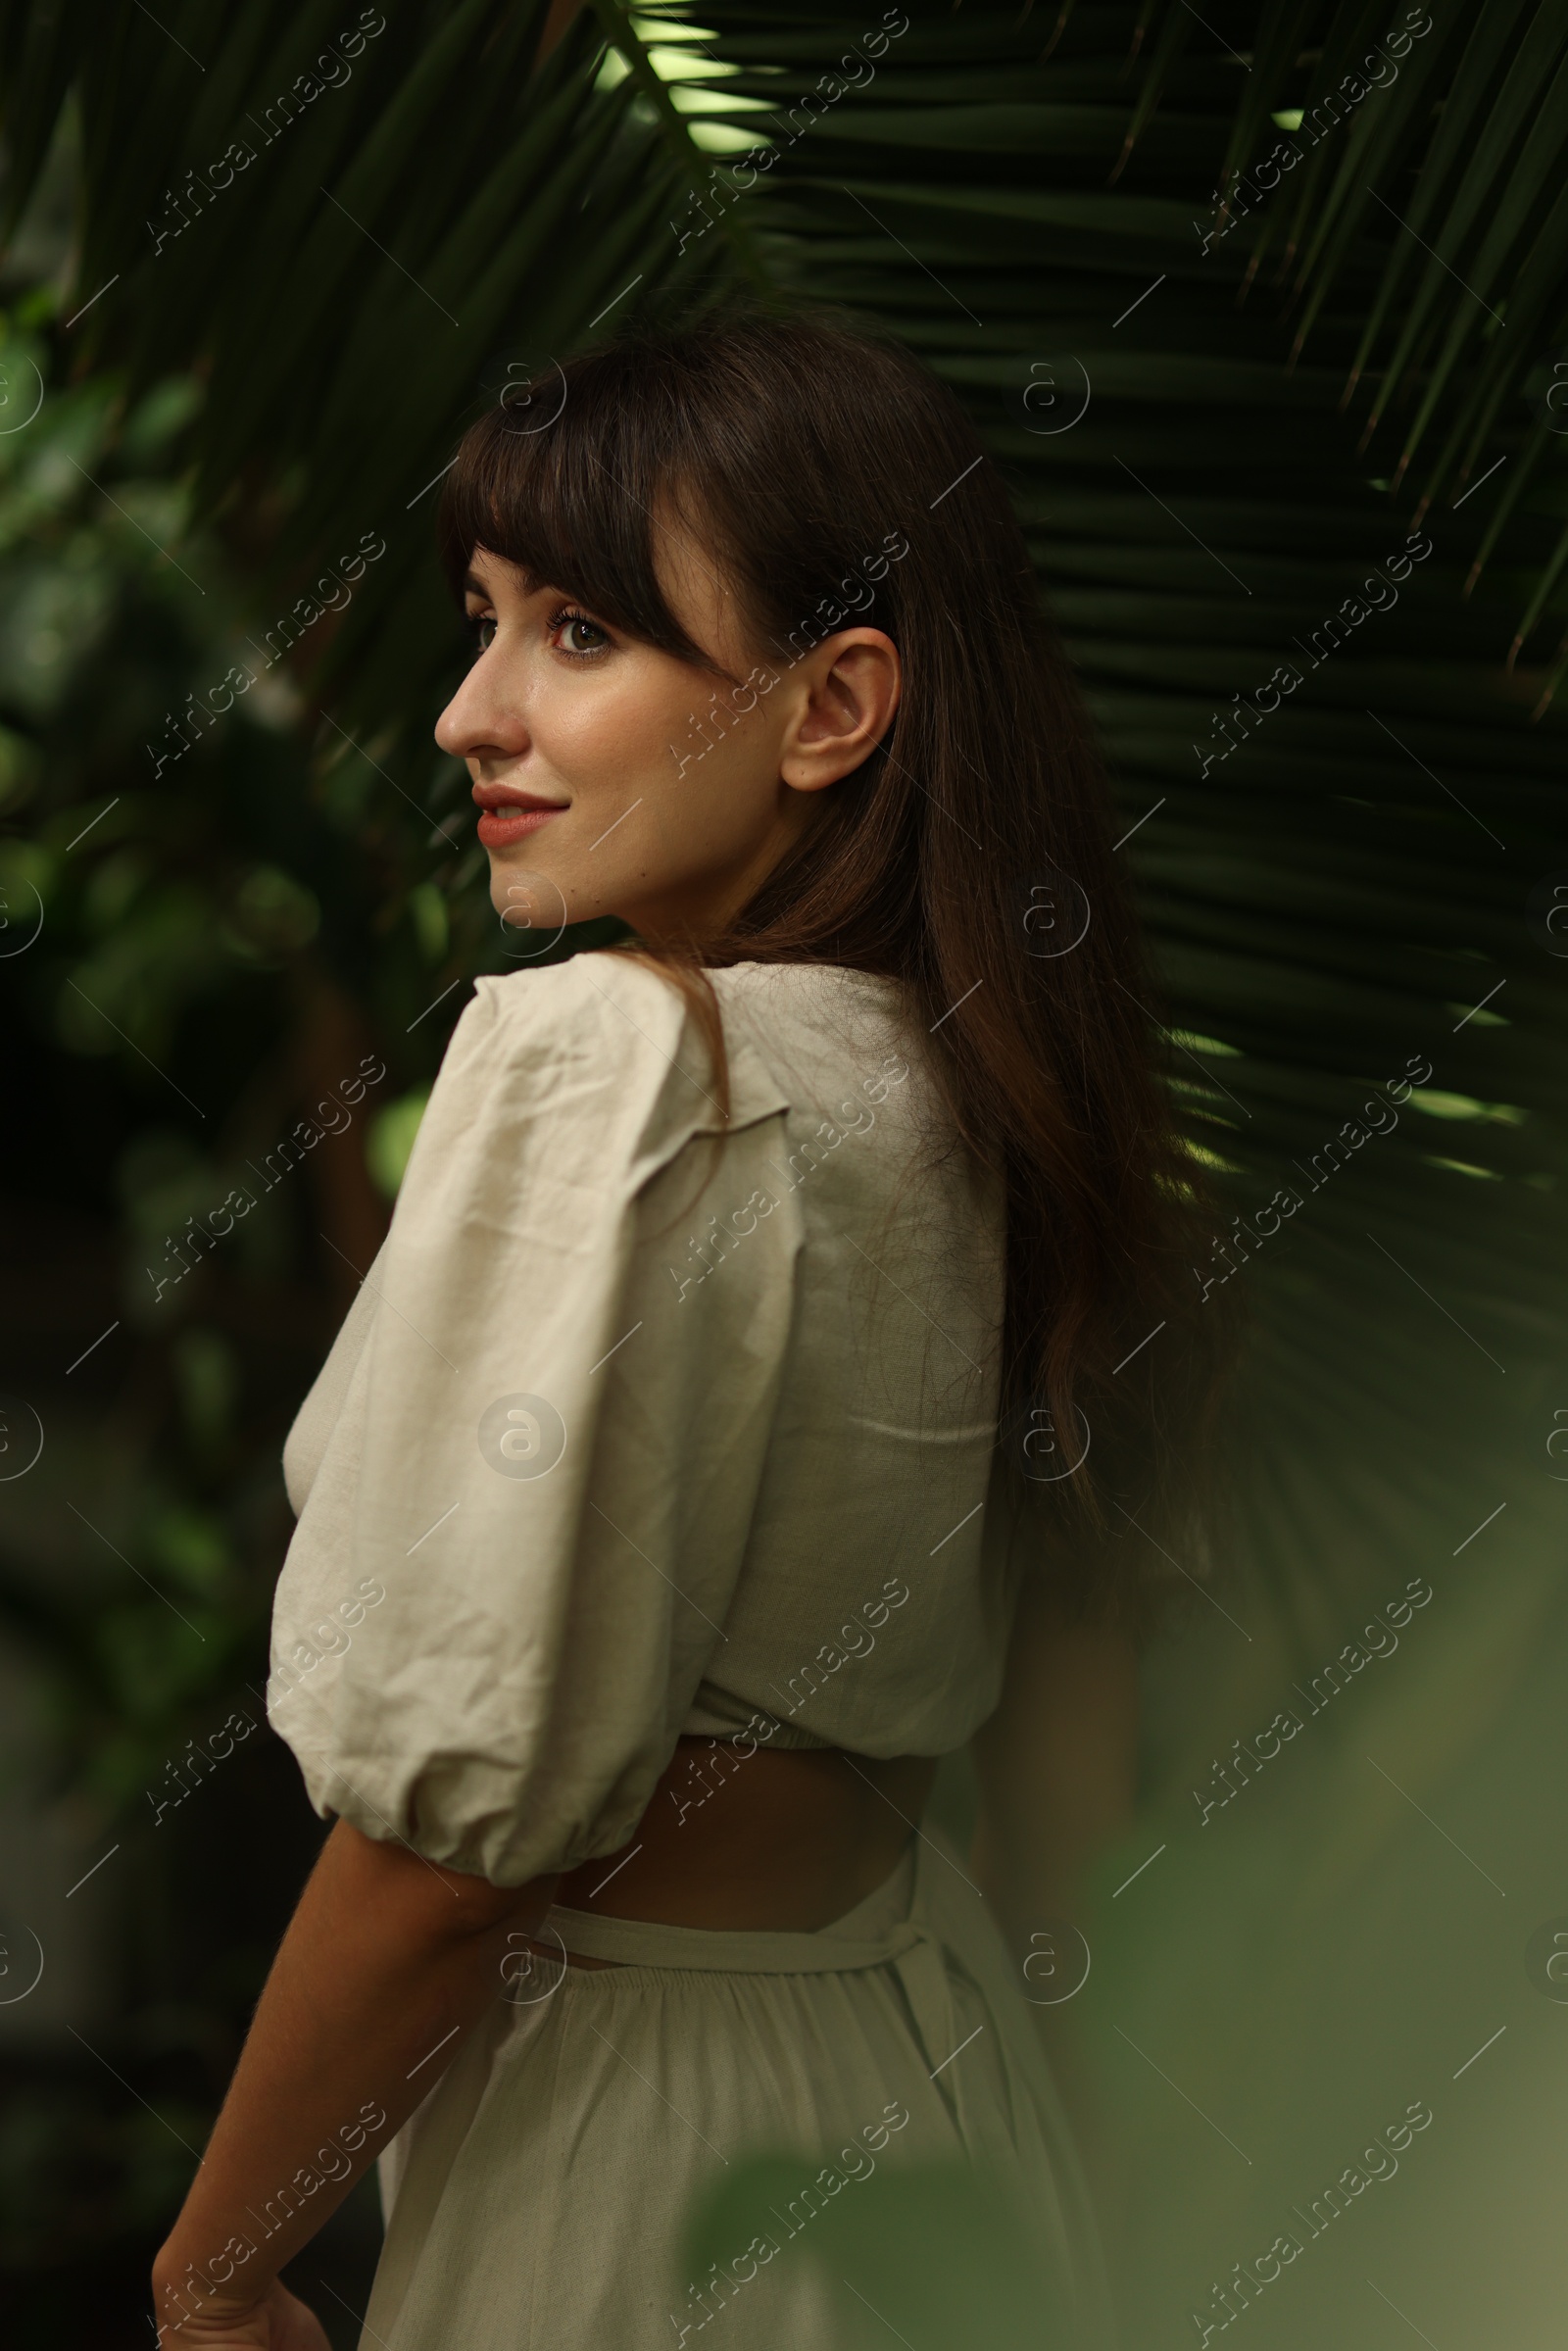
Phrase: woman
(709,1450)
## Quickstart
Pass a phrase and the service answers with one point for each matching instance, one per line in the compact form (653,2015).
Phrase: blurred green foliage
(212,916)
(194,945)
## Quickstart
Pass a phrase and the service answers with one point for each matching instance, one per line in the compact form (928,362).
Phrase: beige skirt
(538,2199)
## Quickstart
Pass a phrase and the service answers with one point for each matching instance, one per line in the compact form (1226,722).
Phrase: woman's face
(599,790)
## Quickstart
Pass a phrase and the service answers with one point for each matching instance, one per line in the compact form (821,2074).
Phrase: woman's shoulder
(816,1026)
(807,992)
(612,1019)
(599,988)
(598,1025)
(605,1059)
(604,1048)
(597,999)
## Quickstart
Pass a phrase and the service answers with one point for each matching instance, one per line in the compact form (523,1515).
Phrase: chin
(530,896)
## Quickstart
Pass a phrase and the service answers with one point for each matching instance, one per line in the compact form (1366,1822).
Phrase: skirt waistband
(877,1929)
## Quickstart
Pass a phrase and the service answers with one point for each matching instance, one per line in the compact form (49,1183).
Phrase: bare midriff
(742,1836)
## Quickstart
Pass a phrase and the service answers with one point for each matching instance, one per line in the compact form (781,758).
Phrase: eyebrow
(472,586)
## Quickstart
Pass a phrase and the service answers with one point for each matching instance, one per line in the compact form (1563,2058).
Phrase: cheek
(700,769)
(727,796)
(672,775)
(606,735)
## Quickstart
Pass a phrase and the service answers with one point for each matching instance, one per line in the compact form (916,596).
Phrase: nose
(481,720)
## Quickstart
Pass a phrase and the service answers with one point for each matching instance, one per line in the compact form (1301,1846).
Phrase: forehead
(492,576)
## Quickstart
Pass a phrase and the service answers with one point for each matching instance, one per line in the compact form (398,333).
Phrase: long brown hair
(834,481)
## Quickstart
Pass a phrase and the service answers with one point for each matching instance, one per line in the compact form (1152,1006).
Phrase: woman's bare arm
(387,1964)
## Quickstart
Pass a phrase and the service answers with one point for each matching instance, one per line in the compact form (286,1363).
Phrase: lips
(507,815)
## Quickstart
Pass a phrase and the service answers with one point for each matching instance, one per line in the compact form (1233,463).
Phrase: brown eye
(576,633)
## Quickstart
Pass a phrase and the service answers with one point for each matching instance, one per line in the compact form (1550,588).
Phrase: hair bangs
(569,503)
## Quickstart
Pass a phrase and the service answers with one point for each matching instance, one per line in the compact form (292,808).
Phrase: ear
(846,692)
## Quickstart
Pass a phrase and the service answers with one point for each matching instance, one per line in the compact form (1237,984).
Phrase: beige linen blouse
(643,1425)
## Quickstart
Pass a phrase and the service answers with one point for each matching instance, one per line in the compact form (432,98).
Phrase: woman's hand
(278,2321)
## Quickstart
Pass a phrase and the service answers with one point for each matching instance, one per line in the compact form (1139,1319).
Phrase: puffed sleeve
(522,1527)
